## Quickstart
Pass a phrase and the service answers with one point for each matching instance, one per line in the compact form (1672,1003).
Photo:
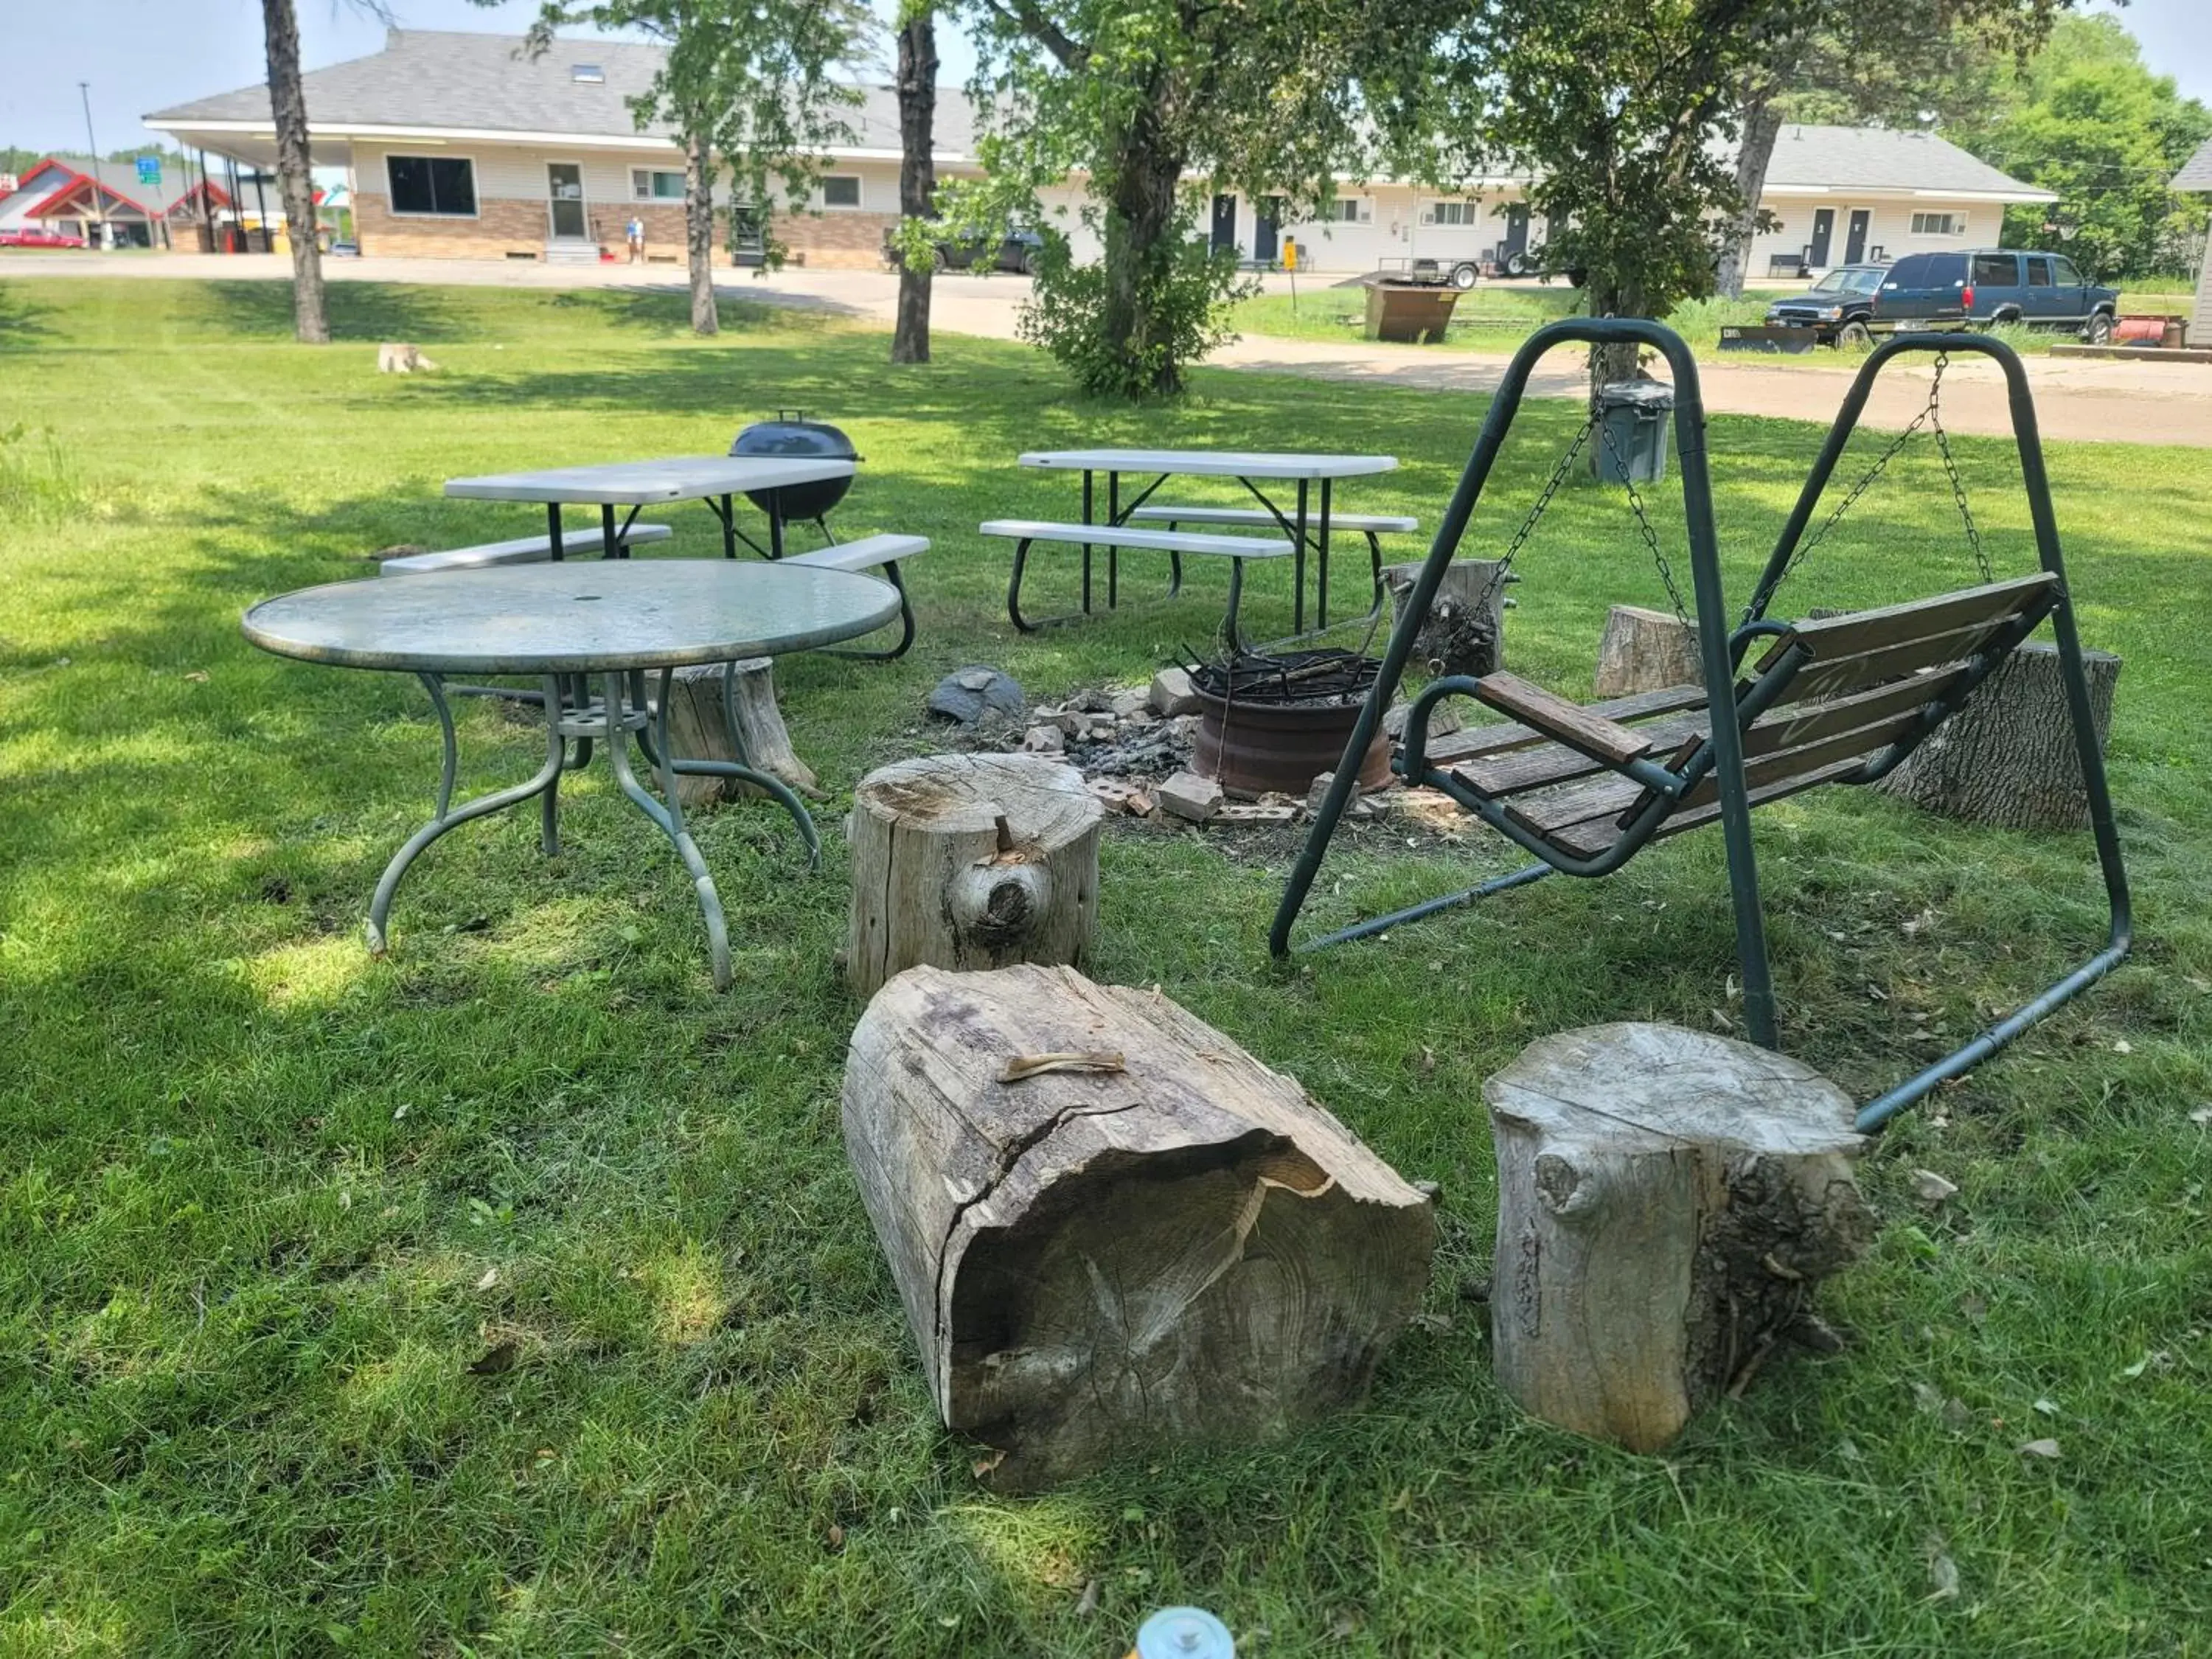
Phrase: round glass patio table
(592,633)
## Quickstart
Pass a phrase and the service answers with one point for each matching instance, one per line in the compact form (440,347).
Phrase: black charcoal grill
(791,434)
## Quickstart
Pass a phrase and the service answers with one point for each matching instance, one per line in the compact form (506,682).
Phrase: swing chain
(1643,521)
(1951,468)
(1490,589)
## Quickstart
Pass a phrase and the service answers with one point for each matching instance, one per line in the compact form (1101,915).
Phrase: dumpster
(1412,312)
(1630,444)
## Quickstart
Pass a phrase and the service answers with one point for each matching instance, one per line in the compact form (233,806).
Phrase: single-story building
(462,145)
(467,145)
(77,199)
(2197,179)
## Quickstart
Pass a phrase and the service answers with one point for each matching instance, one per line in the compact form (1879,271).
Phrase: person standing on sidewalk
(636,231)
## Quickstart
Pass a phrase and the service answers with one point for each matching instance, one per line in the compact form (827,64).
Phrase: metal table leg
(449,816)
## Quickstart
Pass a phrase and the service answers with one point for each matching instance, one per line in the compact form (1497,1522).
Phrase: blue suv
(1993,285)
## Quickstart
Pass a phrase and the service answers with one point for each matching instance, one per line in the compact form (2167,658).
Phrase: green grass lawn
(263,1200)
(1498,319)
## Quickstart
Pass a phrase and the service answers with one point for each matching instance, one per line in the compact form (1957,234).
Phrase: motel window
(1939,224)
(1451,213)
(655,184)
(841,190)
(1352,210)
(589,75)
(443,185)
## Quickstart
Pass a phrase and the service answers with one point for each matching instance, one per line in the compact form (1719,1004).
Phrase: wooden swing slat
(1846,675)
(1592,835)
(1858,632)
(1518,771)
(1506,735)
(1558,717)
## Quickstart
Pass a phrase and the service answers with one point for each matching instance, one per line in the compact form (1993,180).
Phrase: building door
(1824,231)
(1266,242)
(1516,235)
(1224,223)
(564,190)
(1855,239)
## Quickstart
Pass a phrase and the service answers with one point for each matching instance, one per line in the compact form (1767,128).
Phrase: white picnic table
(714,479)
(1250,468)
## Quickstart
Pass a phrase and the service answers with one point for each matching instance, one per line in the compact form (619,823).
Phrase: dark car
(1018,251)
(1993,285)
(1838,307)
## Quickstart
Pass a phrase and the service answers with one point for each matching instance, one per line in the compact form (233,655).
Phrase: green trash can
(1630,444)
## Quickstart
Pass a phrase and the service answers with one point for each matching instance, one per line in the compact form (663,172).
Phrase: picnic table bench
(1175,543)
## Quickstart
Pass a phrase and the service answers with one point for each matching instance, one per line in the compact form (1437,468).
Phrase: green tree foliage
(1158,104)
(757,90)
(2088,119)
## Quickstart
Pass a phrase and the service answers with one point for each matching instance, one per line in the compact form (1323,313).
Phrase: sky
(141,55)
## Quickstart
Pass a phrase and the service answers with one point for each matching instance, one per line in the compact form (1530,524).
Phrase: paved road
(2076,398)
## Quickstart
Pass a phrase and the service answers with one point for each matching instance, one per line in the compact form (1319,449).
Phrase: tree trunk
(971,861)
(1609,297)
(698,730)
(699,233)
(1762,125)
(287,105)
(917,97)
(2008,757)
(1464,632)
(1162,1242)
(1139,251)
(1645,651)
(1666,1203)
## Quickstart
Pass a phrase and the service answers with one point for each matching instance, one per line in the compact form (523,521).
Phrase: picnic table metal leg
(553,531)
(728,516)
(610,545)
(1298,566)
(449,816)
(1087,518)
(1113,553)
(775,523)
(1320,578)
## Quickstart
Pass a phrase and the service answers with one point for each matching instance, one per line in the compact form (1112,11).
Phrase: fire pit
(1277,721)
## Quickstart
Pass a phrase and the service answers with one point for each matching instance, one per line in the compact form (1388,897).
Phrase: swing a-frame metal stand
(1839,699)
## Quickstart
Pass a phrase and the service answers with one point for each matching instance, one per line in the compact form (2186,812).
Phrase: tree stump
(971,861)
(1666,1203)
(2006,758)
(696,731)
(1150,1238)
(1465,630)
(1645,651)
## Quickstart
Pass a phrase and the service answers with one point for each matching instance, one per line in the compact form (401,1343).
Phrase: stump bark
(969,862)
(1093,1261)
(1668,1203)
(2006,758)
(696,731)
(1465,630)
(1645,651)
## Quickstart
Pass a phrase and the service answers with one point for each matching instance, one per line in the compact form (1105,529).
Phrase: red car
(34,238)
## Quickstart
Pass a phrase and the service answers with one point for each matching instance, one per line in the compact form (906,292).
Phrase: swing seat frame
(1840,700)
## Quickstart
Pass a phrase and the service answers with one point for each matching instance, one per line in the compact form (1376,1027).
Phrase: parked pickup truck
(1838,308)
(1980,288)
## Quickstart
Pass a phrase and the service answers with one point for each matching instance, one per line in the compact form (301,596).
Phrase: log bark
(1465,630)
(697,730)
(1096,1261)
(1645,651)
(971,862)
(1668,1202)
(2008,757)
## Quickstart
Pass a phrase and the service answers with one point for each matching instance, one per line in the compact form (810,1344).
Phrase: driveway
(2077,399)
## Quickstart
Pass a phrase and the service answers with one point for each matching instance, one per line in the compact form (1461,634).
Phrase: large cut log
(2006,758)
(1666,1203)
(971,861)
(1153,1238)
(1645,651)
(697,730)
(1464,632)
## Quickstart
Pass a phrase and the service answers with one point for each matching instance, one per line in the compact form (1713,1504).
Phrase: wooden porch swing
(1838,700)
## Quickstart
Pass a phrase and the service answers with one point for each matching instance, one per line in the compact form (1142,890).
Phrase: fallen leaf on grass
(1942,1572)
(2123,1047)
(198,677)
(495,1363)
(2039,1449)
(2048,1407)
(490,1278)
(2202,1114)
(834,1538)
(1087,1603)
(983,1466)
(1931,1188)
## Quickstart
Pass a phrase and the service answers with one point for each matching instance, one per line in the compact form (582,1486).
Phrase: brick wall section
(503,226)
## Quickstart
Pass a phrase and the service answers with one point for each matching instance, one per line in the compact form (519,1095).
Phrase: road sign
(149,169)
